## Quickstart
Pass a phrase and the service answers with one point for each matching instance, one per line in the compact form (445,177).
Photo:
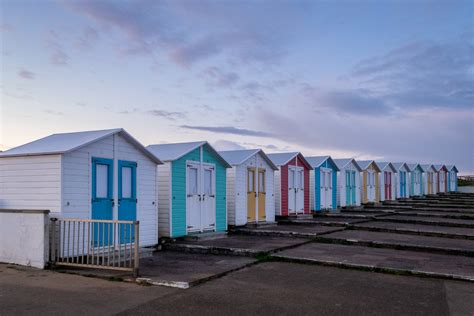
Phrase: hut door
(370,186)
(261,194)
(291,189)
(322,188)
(442,185)
(102,197)
(388,185)
(209,198)
(348,187)
(326,188)
(401,175)
(251,194)
(193,197)
(127,198)
(452,182)
(299,190)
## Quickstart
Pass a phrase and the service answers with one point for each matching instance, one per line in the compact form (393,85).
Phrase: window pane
(101,181)
(208,182)
(261,182)
(300,179)
(291,182)
(251,181)
(193,181)
(126,182)
(323,178)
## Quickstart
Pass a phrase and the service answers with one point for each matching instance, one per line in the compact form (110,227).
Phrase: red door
(387,185)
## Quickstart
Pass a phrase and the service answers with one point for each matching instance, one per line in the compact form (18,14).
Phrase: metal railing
(103,244)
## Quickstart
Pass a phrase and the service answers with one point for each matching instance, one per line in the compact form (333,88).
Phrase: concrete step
(439,221)
(298,231)
(206,236)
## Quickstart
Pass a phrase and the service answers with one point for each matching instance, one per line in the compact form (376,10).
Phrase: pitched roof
(425,167)
(400,165)
(364,164)
(281,159)
(237,157)
(439,167)
(174,151)
(451,167)
(341,163)
(67,142)
(317,161)
(384,164)
(413,166)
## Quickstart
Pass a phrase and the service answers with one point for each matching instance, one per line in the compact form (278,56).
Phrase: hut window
(102,173)
(251,180)
(193,181)
(126,182)
(208,182)
(261,181)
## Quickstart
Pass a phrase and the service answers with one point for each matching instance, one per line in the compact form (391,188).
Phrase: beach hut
(348,180)
(387,181)
(99,175)
(429,179)
(291,183)
(402,180)
(452,178)
(416,179)
(191,189)
(323,183)
(370,189)
(250,197)
(442,178)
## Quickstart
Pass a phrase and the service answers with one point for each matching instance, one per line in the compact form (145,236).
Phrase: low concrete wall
(466,189)
(24,237)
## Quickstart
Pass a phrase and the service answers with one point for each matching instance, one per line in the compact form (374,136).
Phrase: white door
(322,188)
(209,198)
(193,198)
(452,185)
(299,190)
(371,186)
(291,190)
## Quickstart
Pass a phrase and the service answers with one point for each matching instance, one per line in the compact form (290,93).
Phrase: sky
(383,80)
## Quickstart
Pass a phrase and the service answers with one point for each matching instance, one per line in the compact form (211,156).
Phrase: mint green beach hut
(191,189)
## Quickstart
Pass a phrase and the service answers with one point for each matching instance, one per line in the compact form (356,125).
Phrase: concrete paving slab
(299,231)
(384,260)
(323,220)
(183,270)
(401,241)
(439,214)
(429,220)
(277,288)
(239,245)
(428,230)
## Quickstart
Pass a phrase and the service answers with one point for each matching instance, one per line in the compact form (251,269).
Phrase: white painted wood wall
(277,190)
(164,196)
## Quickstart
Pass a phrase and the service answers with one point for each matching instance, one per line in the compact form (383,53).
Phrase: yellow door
(261,195)
(251,195)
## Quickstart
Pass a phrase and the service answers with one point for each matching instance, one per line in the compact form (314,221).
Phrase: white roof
(451,167)
(238,157)
(439,167)
(384,165)
(400,165)
(66,142)
(413,166)
(427,166)
(364,164)
(281,159)
(317,161)
(342,163)
(171,152)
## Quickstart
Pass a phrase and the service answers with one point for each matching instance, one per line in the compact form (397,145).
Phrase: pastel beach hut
(370,189)
(402,179)
(89,175)
(416,179)
(323,183)
(291,183)
(191,188)
(250,197)
(387,181)
(348,191)
(442,178)
(429,179)
(452,178)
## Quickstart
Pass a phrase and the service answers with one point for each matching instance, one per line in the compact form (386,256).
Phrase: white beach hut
(429,179)
(103,175)
(402,179)
(387,181)
(250,196)
(348,191)
(416,179)
(452,178)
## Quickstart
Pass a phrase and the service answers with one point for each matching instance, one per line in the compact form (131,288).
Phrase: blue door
(403,184)
(102,200)
(127,198)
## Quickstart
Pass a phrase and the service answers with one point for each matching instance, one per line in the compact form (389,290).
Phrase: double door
(416,185)
(350,187)
(452,181)
(442,182)
(103,200)
(371,189)
(256,193)
(326,188)
(403,184)
(388,185)
(295,190)
(200,197)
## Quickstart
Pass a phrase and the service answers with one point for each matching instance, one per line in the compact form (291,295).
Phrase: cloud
(222,144)
(5,27)
(228,130)
(88,38)
(218,78)
(421,75)
(357,102)
(58,56)
(52,112)
(172,116)
(26,74)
